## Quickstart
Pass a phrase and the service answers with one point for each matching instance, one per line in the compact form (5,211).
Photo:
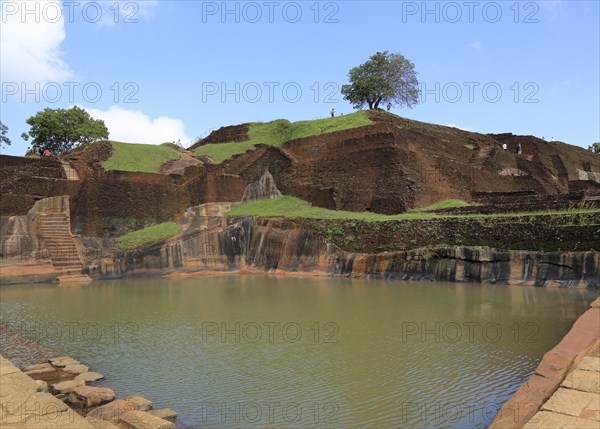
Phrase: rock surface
(218,243)
(63,361)
(92,396)
(144,420)
(113,411)
(140,401)
(67,386)
(164,413)
(264,188)
(89,376)
(75,369)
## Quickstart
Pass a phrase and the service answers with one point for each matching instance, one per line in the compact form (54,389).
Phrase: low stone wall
(550,233)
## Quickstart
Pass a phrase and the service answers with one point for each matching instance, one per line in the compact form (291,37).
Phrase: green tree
(384,78)
(60,130)
(595,148)
(3,137)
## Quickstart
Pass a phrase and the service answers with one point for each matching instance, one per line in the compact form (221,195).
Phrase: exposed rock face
(265,188)
(143,420)
(113,411)
(89,376)
(89,396)
(248,244)
(140,401)
(232,133)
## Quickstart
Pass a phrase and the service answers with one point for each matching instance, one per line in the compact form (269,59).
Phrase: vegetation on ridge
(383,78)
(280,131)
(145,158)
(446,204)
(143,237)
(292,207)
(60,130)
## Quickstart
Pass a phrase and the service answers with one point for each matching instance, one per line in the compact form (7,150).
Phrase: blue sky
(160,71)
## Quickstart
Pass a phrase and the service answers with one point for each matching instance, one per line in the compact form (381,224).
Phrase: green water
(259,351)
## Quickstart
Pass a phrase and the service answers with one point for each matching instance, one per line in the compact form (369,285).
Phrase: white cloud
(110,13)
(459,127)
(133,126)
(475,45)
(553,8)
(29,50)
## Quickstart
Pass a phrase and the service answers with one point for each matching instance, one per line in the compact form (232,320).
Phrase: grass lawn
(446,204)
(276,133)
(152,234)
(292,207)
(288,206)
(145,158)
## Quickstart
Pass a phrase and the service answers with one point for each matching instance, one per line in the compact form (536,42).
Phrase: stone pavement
(25,405)
(576,403)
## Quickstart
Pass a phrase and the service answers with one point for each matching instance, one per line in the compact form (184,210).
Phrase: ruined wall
(23,181)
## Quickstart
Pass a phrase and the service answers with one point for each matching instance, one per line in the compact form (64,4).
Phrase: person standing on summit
(332,112)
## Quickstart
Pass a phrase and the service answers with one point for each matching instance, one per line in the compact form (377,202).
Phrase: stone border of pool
(552,370)
(23,403)
(28,401)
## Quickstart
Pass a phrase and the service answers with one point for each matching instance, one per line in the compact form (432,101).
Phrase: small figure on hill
(179,142)
(332,113)
(389,107)
(47,152)
(520,149)
(41,151)
(504,146)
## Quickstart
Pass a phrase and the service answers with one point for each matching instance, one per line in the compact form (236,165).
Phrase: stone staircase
(70,172)
(482,156)
(56,232)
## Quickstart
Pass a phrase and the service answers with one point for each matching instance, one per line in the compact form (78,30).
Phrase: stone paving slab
(586,381)
(574,403)
(549,420)
(23,407)
(589,363)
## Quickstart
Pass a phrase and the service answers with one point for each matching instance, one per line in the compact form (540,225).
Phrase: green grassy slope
(276,133)
(145,158)
(292,207)
(152,234)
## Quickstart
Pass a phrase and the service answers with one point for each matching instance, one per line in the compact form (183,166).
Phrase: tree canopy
(3,137)
(383,78)
(60,130)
